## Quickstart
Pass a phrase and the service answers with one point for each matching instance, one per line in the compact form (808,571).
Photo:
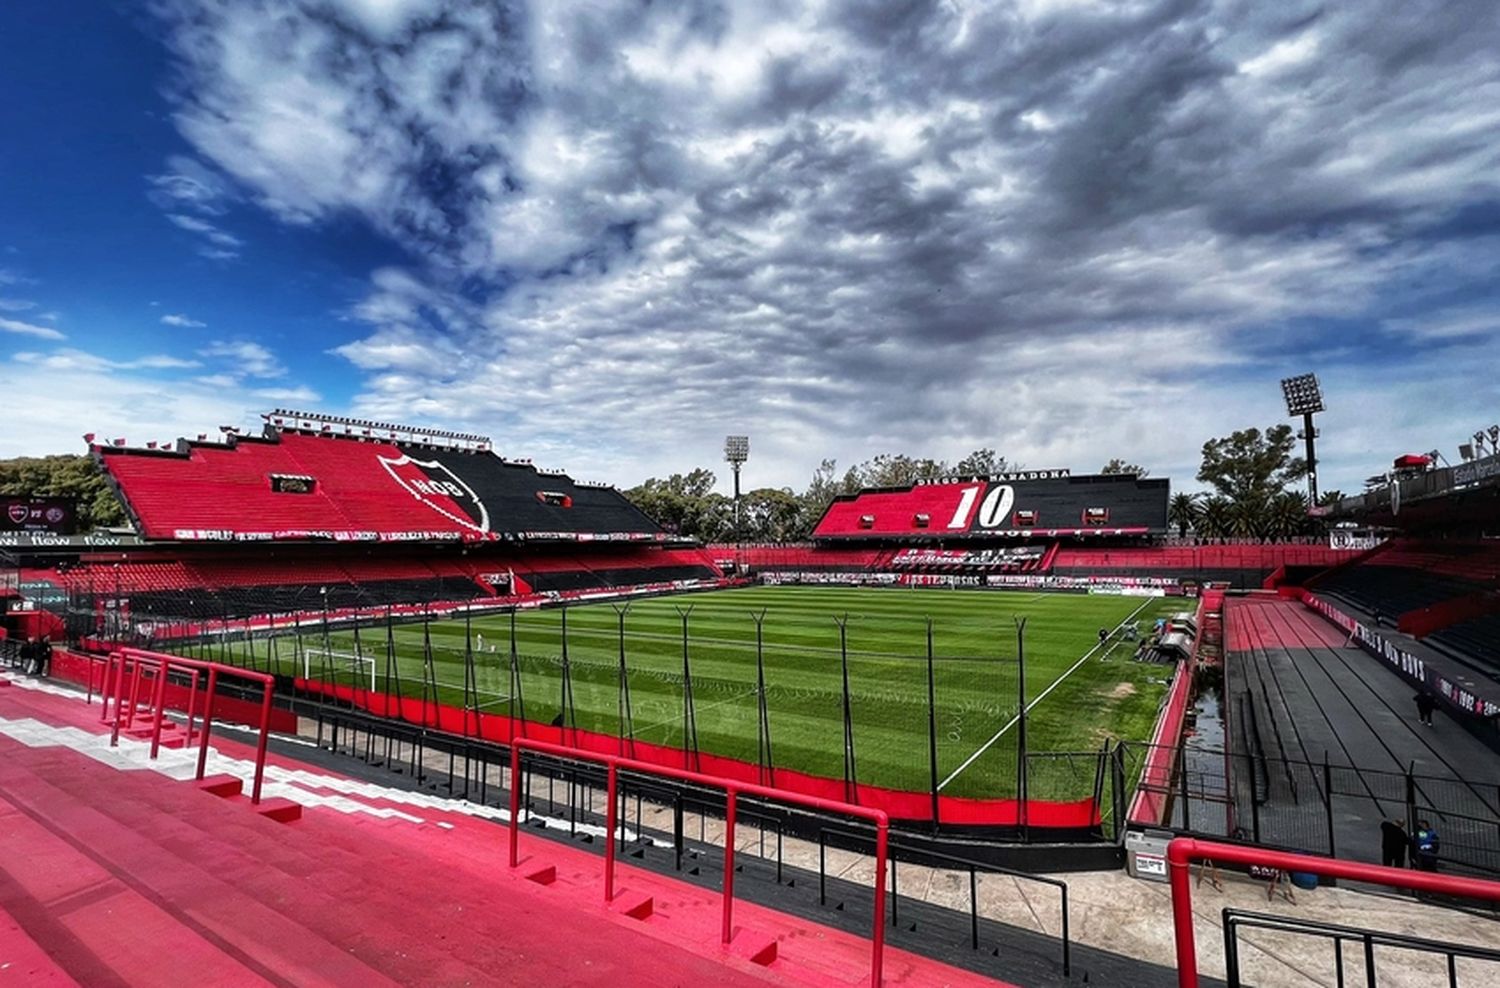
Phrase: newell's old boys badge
(440,489)
(19,513)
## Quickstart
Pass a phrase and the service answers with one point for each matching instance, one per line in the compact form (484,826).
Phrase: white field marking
(717,703)
(1040,697)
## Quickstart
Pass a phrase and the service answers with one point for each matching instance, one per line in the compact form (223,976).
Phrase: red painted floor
(1276,622)
(111,877)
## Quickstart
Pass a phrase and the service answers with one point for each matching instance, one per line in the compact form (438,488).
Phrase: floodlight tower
(1305,398)
(736,452)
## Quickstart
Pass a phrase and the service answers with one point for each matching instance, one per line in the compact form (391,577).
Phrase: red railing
(733,790)
(1182,852)
(124,672)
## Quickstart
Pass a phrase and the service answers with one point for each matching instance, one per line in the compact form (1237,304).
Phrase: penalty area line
(1040,697)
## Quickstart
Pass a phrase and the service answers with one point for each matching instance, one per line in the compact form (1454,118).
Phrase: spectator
(1425,847)
(29,656)
(1426,702)
(44,655)
(1393,843)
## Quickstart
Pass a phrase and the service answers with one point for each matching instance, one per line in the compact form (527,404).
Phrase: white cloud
(245,358)
(29,329)
(16,305)
(68,359)
(178,319)
(300,393)
(1070,231)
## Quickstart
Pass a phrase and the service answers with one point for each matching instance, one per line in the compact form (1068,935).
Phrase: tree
(1286,515)
(770,514)
(68,475)
(1215,520)
(1249,469)
(1250,466)
(821,490)
(981,463)
(1117,465)
(682,503)
(1183,511)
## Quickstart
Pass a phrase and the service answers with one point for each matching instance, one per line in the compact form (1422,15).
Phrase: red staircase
(131,878)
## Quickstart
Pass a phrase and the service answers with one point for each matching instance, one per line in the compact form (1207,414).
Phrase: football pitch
(1079,694)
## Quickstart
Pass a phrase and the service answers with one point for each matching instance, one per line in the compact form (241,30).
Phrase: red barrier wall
(902,805)
(1150,803)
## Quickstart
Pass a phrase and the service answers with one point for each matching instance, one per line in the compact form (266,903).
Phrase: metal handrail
(1235,919)
(1183,851)
(733,790)
(132,662)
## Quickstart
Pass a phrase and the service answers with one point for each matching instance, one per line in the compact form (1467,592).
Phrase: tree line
(65,475)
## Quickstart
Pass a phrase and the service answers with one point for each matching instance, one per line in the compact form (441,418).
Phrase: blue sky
(608,235)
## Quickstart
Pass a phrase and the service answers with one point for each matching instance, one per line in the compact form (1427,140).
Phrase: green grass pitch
(974,641)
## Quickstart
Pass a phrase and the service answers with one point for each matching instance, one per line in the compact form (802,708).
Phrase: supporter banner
(1356,541)
(1409,665)
(940,580)
(1477,470)
(1037,581)
(879,579)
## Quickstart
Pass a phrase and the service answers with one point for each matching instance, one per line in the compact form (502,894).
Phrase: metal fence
(1321,808)
(941,725)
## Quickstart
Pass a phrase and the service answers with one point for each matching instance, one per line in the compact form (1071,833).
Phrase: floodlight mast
(736,452)
(1304,397)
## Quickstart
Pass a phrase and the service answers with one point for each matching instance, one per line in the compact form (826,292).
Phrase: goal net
(321,662)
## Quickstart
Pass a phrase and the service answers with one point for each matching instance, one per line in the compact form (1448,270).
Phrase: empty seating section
(892,512)
(1198,557)
(358,490)
(1408,575)
(1446,592)
(1477,638)
(1040,503)
(257,581)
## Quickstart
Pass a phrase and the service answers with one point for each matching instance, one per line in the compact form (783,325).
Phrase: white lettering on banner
(1358,541)
(1472,473)
(996,507)
(965,505)
(1013,476)
(1409,665)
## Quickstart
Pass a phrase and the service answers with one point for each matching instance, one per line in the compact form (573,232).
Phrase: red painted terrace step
(130,878)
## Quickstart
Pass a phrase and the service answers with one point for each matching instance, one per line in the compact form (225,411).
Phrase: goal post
(355,663)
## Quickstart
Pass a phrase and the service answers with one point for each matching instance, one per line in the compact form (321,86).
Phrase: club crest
(442,490)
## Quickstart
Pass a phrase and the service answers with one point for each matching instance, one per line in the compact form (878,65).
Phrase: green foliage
(1250,472)
(1118,466)
(1183,511)
(65,476)
(688,506)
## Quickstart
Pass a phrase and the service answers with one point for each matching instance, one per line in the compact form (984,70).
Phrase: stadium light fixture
(736,452)
(1466,451)
(1479,443)
(1304,397)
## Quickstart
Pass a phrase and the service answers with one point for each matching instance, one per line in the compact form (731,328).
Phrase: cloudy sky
(607,234)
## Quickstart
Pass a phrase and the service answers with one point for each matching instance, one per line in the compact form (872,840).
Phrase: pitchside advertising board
(57,515)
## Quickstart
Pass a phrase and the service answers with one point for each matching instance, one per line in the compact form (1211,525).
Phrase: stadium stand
(1042,504)
(289,485)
